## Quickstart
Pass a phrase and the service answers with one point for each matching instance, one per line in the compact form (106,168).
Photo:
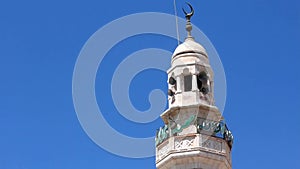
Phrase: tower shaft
(195,135)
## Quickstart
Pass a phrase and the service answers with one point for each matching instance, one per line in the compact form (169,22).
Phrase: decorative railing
(204,126)
(164,132)
(192,142)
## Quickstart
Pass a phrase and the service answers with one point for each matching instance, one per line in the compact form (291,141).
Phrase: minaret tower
(195,135)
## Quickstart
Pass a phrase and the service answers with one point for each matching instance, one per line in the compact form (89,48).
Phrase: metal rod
(176,18)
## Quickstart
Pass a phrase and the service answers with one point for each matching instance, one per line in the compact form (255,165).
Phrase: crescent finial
(189,15)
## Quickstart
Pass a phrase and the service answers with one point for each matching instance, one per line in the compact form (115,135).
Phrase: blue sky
(258,43)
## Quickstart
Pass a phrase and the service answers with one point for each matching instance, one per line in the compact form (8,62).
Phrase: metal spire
(188,17)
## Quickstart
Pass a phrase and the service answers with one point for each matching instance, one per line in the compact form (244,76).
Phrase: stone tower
(195,135)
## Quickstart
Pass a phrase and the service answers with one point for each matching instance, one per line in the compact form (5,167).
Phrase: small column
(194,83)
(178,80)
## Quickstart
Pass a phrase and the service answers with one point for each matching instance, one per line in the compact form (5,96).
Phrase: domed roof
(189,46)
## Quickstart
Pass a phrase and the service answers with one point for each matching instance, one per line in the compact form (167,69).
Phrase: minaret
(195,135)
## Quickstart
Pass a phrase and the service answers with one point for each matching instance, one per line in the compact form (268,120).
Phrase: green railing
(204,126)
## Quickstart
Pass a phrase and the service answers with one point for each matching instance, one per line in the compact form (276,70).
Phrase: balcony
(207,128)
(194,145)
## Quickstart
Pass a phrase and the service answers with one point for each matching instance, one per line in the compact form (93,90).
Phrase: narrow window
(173,82)
(188,83)
(199,83)
(202,83)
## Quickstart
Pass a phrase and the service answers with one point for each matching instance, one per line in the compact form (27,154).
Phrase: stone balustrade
(193,142)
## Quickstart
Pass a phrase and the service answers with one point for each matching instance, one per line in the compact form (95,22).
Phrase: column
(194,83)
(178,81)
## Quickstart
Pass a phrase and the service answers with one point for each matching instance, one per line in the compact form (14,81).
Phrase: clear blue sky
(258,43)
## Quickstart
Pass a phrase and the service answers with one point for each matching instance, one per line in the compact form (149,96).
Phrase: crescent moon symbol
(192,10)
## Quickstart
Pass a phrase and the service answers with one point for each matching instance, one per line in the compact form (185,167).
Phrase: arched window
(202,83)
(173,83)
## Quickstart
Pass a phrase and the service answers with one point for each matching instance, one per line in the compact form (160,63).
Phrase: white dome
(189,46)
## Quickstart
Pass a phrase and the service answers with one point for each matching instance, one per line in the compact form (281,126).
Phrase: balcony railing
(204,126)
(193,142)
